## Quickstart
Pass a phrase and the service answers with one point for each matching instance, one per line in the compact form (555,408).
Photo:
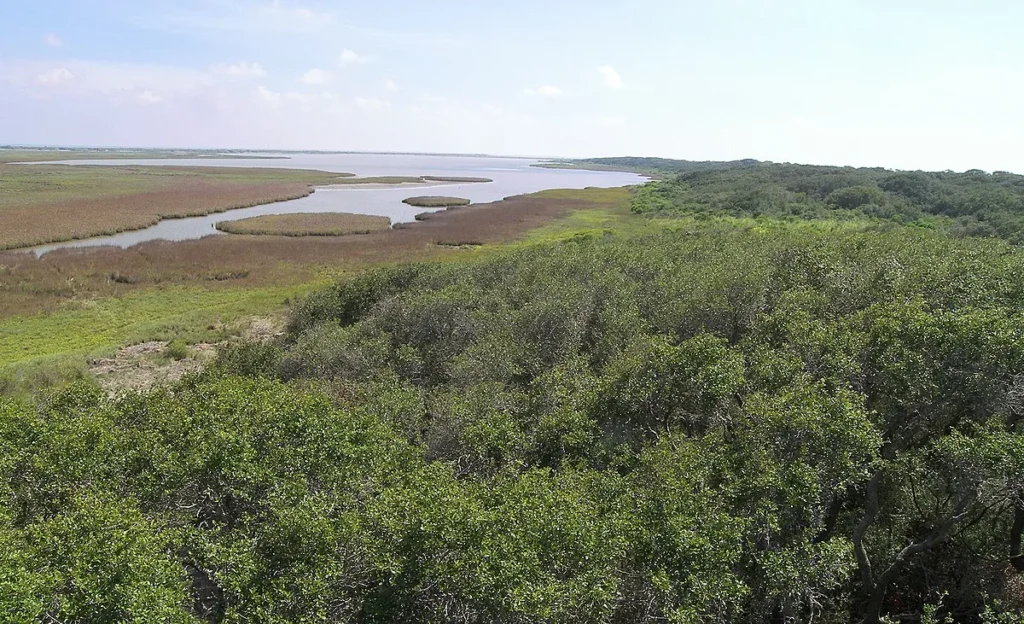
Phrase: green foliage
(660,387)
(177,349)
(736,419)
(965,204)
(249,359)
(814,368)
(851,197)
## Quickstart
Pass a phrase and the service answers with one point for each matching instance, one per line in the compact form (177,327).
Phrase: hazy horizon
(922,85)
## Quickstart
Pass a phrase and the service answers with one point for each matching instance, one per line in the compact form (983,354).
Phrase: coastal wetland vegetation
(745,392)
(435,201)
(306,224)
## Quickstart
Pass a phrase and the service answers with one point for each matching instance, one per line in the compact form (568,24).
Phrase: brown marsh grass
(409,180)
(307,224)
(31,285)
(456,179)
(436,201)
(49,203)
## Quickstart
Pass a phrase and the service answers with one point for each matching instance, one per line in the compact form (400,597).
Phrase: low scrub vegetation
(177,350)
(307,224)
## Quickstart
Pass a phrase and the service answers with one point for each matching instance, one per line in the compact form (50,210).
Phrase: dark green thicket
(736,420)
(838,394)
(663,166)
(974,203)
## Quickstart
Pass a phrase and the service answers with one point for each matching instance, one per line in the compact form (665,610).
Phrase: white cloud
(306,102)
(372,104)
(428,98)
(545,91)
(612,79)
(272,98)
(54,77)
(148,97)
(611,121)
(249,70)
(315,77)
(348,57)
(391,85)
(301,98)
(116,81)
(52,40)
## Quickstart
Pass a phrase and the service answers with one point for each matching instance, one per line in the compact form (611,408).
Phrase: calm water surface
(512,176)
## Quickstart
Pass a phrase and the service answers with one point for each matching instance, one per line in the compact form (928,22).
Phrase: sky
(912,84)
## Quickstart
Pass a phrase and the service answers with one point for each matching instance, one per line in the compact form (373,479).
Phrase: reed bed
(456,179)
(42,204)
(436,201)
(307,224)
(31,285)
(410,180)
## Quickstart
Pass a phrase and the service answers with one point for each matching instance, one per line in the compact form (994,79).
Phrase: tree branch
(959,513)
(1016,531)
(870,513)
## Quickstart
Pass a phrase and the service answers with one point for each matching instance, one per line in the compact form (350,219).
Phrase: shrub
(177,350)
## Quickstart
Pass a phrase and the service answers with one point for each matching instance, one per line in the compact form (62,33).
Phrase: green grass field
(153,314)
(42,350)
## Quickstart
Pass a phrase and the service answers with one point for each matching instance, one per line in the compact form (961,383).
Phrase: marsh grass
(20,155)
(381,180)
(460,244)
(42,204)
(436,201)
(411,180)
(456,179)
(32,378)
(307,224)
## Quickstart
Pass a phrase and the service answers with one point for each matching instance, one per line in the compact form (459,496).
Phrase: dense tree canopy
(746,417)
(974,203)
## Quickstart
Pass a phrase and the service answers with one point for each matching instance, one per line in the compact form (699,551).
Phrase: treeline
(973,203)
(664,166)
(752,421)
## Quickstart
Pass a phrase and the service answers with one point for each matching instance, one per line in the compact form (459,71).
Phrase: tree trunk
(1016,557)
(873,611)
